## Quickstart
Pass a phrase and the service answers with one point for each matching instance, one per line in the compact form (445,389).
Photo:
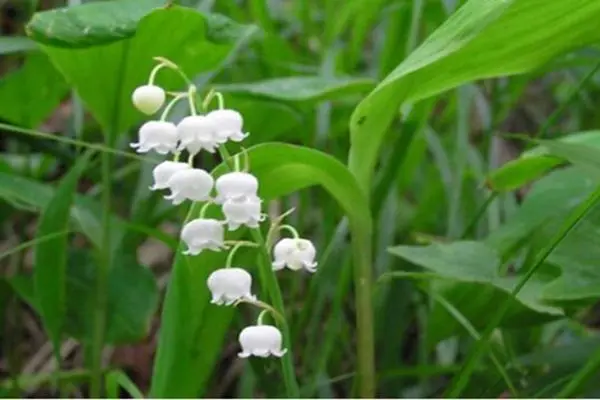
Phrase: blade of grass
(33,242)
(475,335)
(116,379)
(551,121)
(72,142)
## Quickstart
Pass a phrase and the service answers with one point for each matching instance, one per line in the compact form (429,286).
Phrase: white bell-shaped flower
(228,124)
(235,185)
(195,133)
(190,184)
(261,341)
(164,171)
(242,211)
(148,98)
(294,254)
(228,285)
(160,136)
(200,234)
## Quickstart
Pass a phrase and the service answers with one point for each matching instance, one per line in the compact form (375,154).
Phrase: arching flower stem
(236,247)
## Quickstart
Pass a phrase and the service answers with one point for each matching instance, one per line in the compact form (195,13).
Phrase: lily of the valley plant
(236,193)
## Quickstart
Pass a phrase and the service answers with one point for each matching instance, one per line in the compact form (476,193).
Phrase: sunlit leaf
(122,38)
(534,163)
(482,39)
(300,88)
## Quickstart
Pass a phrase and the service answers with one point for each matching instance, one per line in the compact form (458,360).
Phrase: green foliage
(300,88)
(90,25)
(51,255)
(535,162)
(481,40)
(477,268)
(281,169)
(31,93)
(124,42)
(132,298)
(448,148)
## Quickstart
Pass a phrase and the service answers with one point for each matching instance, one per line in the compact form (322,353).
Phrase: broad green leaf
(472,269)
(132,297)
(544,209)
(30,94)
(535,162)
(566,357)
(51,255)
(483,39)
(124,43)
(553,196)
(313,88)
(188,319)
(265,119)
(577,257)
(519,172)
(15,44)
(85,212)
(92,24)
(578,154)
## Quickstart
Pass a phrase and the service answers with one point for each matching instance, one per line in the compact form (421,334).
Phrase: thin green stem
(563,106)
(235,248)
(290,229)
(461,380)
(191,95)
(471,227)
(261,317)
(458,316)
(204,208)
(153,73)
(274,226)
(264,306)
(34,381)
(207,99)
(165,62)
(103,269)
(32,243)
(171,104)
(220,100)
(269,281)
(236,163)
(73,142)
(246,159)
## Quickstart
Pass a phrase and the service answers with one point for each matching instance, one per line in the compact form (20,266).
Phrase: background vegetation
(445,163)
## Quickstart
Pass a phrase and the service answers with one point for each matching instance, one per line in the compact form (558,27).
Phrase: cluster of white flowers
(235,192)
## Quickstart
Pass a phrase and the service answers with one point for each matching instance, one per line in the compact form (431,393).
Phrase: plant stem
(361,257)
(269,281)
(103,269)
(461,380)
